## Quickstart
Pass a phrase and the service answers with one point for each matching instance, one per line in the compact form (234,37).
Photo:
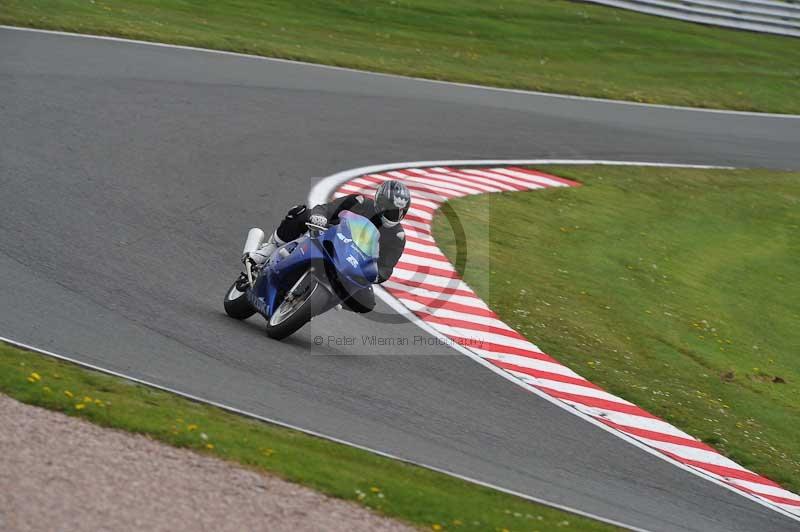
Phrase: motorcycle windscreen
(365,236)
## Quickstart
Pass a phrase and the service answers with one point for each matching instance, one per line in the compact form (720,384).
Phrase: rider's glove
(318,219)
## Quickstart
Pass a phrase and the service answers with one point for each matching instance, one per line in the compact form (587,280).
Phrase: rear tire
(315,304)
(236,303)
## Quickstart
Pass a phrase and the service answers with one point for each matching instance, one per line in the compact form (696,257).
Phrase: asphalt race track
(129,175)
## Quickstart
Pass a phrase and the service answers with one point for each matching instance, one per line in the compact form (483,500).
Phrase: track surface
(129,173)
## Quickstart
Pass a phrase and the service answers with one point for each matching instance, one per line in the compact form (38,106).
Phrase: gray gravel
(63,473)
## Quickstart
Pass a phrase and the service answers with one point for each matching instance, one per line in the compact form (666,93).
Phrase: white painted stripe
(444,313)
(579,390)
(415,231)
(429,184)
(426,262)
(426,248)
(456,181)
(637,422)
(427,278)
(369,190)
(766,489)
(539,179)
(491,183)
(473,302)
(444,184)
(425,215)
(505,178)
(794,510)
(416,227)
(436,291)
(692,453)
(528,362)
(481,336)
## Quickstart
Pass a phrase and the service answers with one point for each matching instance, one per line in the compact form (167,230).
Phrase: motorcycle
(307,276)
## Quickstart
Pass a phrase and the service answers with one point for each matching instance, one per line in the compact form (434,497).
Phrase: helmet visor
(394,215)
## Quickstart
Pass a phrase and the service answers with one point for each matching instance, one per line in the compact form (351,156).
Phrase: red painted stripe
(423,241)
(774,498)
(423,254)
(724,471)
(463,324)
(539,374)
(658,436)
(426,270)
(434,288)
(444,183)
(598,403)
(492,173)
(420,219)
(428,194)
(423,208)
(420,187)
(508,350)
(537,173)
(455,179)
(435,302)
(418,230)
(477,179)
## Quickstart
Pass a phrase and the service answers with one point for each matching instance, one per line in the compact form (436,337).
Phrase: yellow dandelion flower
(375,489)
(80,406)
(98,402)
(87,399)
(68,394)
(209,446)
(436,526)
(36,376)
(191,427)
(31,380)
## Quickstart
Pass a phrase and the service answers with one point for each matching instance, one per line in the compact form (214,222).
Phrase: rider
(386,211)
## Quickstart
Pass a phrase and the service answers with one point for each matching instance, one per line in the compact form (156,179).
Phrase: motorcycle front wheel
(305,300)
(236,303)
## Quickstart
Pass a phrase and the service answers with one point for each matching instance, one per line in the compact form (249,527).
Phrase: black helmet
(392,200)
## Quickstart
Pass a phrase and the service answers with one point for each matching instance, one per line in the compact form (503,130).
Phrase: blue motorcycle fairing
(354,243)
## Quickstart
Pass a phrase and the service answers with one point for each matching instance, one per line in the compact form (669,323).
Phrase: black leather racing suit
(392,241)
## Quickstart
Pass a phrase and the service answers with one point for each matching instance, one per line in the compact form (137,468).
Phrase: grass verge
(413,494)
(545,45)
(674,289)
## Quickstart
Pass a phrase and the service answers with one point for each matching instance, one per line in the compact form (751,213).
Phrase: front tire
(236,303)
(289,317)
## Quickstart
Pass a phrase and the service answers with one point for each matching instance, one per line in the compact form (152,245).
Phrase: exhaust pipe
(255,237)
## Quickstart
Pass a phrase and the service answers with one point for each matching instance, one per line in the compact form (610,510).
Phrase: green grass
(546,45)
(674,289)
(413,494)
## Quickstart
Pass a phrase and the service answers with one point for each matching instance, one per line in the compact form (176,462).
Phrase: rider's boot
(265,251)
